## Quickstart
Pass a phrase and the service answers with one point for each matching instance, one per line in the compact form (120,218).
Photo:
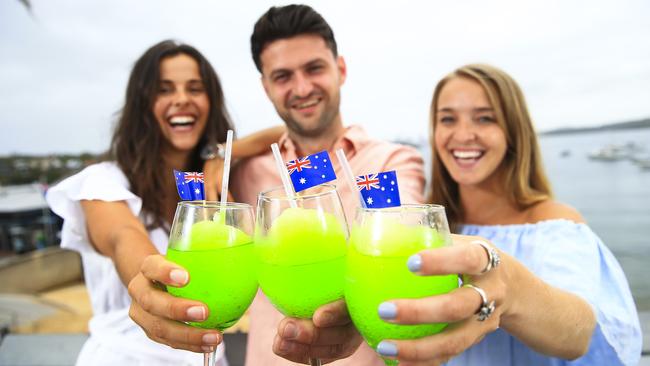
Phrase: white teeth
(307,104)
(181,120)
(467,154)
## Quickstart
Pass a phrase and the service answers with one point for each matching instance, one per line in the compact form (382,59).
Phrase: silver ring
(494,259)
(487,308)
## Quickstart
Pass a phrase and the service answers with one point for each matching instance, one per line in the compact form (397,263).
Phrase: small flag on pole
(379,190)
(189,185)
(310,171)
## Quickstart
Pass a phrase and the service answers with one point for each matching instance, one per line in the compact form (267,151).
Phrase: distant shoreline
(644,123)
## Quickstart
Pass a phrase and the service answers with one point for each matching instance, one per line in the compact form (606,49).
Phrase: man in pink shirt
(295,51)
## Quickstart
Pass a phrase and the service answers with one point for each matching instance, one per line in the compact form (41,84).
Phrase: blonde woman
(542,289)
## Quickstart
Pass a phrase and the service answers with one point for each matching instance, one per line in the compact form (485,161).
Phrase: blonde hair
(521,169)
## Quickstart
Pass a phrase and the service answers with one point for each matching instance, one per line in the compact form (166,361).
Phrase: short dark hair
(286,22)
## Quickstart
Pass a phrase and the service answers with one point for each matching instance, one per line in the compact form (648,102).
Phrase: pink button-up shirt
(365,155)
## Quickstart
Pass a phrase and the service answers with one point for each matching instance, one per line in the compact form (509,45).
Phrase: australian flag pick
(190,185)
(379,190)
(310,171)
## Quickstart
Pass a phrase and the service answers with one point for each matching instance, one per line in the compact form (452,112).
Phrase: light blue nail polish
(414,263)
(386,348)
(387,310)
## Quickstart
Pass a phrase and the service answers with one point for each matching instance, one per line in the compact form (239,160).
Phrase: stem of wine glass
(314,362)
(210,358)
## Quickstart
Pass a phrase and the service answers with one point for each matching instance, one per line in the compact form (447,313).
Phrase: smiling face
(181,105)
(302,78)
(468,139)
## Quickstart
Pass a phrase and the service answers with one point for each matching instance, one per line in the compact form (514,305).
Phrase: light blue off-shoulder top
(569,256)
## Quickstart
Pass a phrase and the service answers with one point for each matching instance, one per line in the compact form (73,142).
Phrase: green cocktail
(302,260)
(221,262)
(380,244)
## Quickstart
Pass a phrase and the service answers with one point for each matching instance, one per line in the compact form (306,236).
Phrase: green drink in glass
(214,244)
(381,242)
(302,244)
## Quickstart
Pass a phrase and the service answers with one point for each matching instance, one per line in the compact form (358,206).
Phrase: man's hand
(329,336)
(161,315)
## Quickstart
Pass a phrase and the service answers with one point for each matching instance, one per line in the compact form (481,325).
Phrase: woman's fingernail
(178,276)
(210,338)
(207,349)
(386,348)
(290,331)
(387,310)
(196,313)
(414,263)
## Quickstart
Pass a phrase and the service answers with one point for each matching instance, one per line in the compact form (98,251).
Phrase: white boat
(643,163)
(609,153)
(614,152)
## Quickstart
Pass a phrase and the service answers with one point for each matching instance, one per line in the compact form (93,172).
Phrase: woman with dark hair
(542,289)
(119,211)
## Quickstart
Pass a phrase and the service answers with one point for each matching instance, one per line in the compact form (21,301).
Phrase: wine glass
(381,242)
(301,243)
(213,242)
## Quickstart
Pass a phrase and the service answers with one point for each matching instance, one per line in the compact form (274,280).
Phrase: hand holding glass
(301,243)
(214,243)
(381,242)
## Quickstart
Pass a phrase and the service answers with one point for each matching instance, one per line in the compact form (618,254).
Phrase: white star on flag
(303,180)
(197,191)
(370,200)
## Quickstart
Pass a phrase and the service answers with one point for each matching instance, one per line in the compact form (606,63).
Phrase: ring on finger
(494,259)
(487,308)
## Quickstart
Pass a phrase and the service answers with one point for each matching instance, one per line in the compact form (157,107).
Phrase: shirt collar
(350,141)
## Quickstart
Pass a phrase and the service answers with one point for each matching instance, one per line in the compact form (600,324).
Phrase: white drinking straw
(226,170)
(284,175)
(349,176)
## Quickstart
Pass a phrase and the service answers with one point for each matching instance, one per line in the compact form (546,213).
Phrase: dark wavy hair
(137,139)
(522,168)
(286,22)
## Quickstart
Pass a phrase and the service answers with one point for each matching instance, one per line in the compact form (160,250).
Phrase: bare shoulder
(553,210)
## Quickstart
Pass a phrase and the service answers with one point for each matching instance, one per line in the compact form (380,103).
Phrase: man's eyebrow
(279,71)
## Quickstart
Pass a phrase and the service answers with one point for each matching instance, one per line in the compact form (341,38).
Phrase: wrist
(212,151)
(520,286)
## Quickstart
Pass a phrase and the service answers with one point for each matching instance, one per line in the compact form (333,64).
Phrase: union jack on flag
(310,171)
(193,177)
(367,182)
(379,190)
(190,185)
(299,164)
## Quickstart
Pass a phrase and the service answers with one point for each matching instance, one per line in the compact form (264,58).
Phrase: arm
(251,145)
(547,319)
(116,233)
(256,143)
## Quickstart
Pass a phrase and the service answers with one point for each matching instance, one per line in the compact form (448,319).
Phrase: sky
(64,67)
